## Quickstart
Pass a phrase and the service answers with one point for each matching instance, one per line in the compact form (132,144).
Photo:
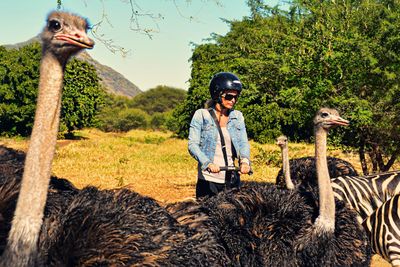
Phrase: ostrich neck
(326,218)
(32,198)
(286,168)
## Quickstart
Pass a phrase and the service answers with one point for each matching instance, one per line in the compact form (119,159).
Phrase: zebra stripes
(365,194)
(383,228)
(376,199)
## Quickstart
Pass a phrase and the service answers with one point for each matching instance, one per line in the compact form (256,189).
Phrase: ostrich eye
(324,115)
(54,25)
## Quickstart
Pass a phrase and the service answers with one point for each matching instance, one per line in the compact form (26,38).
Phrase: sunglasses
(229,97)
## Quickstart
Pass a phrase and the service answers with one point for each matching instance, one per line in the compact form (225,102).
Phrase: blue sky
(161,60)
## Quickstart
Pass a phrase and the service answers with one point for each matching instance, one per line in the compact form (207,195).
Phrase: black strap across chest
(223,145)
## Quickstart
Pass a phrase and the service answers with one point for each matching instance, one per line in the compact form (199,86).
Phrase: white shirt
(219,159)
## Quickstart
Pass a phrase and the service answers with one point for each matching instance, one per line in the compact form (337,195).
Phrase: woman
(205,142)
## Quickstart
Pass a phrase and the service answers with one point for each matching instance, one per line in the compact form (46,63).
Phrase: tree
(342,54)
(19,73)
(254,49)
(82,96)
(129,119)
(159,99)
(358,55)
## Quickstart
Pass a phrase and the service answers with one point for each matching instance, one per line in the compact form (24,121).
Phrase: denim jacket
(203,135)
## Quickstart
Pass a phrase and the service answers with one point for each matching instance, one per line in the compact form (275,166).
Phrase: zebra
(383,230)
(376,200)
(365,194)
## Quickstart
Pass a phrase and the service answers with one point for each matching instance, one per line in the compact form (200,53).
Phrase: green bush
(158,100)
(129,119)
(123,120)
(158,120)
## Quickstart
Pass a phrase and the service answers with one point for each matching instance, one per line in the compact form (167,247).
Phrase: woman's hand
(244,168)
(213,168)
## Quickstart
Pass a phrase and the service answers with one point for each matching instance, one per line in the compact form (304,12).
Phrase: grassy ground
(154,163)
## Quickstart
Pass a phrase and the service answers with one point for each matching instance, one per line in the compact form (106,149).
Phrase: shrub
(129,119)
(158,120)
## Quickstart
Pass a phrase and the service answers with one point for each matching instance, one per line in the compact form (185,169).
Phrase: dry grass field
(154,163)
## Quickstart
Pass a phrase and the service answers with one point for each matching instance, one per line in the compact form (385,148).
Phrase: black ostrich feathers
(92,227)
(303,172)
(120,227)
(258,225)
(261,225)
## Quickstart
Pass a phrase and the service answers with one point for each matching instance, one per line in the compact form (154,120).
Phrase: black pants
(207,188)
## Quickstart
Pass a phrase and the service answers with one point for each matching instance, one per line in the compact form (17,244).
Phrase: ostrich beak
(337,120)
(78,39)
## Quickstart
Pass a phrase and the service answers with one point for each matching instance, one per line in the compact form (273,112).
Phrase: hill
(113,81)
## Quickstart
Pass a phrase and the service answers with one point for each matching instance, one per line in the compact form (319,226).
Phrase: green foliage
(159,99)
(268,157)
(19,79)
(129,119)
(123,120)
(19,76)
(156,104)
(343,54)
(158,120)
(154,140)
(82,96)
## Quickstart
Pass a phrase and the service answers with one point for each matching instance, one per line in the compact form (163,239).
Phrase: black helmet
(224,81)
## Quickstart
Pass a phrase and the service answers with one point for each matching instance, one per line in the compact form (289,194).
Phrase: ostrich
(376,199)
(89,226)
(301,172)
(63,36)
(262,225)
(282,142)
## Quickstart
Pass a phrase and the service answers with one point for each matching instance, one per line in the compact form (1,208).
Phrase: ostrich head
(65,34)
(327,118)
(282,141)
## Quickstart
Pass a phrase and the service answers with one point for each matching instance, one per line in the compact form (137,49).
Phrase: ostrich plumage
(120,227)
(11,169)
(303,171)
(89,226)
(262,225)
